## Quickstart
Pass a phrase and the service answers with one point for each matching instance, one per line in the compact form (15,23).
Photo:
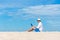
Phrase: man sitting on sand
(39,28)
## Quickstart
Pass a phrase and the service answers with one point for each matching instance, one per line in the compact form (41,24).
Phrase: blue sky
(17,15)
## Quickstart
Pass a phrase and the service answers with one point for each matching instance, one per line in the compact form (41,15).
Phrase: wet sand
(29,36)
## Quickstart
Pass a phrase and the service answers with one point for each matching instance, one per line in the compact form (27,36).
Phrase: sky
(17,15)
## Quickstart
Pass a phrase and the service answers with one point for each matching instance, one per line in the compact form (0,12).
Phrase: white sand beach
(29,36)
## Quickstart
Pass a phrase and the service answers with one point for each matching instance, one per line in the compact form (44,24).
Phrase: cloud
(11,4)
(36,11)
(32,11)
(23,3)
(43,10)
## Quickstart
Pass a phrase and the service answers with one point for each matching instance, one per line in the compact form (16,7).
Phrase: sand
(29,36)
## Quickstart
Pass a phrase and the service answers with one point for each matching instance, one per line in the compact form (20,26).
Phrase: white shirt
(40,26)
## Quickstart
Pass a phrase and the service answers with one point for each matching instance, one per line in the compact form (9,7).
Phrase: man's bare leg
(31,29)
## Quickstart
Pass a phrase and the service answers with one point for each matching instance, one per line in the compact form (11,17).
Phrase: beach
(29,35)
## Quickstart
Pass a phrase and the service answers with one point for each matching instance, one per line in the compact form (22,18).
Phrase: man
(39,28)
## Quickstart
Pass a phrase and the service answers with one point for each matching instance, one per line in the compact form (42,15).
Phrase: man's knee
(33,27)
